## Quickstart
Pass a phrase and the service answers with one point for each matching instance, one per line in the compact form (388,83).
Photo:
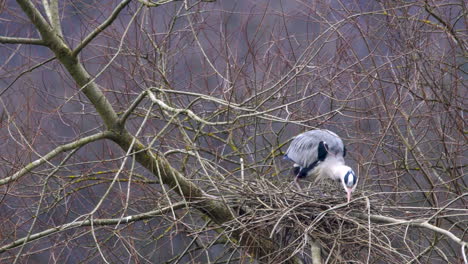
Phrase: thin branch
(101,27)
(95,222)
(416,222)
(188,112)
(93,233)
(207,59)
(464,253)
(156,4)
(15,40)
(26,71)
(41,199)
(252,112)
(448,28)
(75,144)
(130,109)
(446,206)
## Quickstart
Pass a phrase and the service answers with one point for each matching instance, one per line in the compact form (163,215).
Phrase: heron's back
(304,148)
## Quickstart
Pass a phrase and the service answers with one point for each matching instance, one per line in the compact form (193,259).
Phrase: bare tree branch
(24,72)
(132,107)
(49,156)
(100,28)
(417,223)
(95,222)
(15,40)
(448,28)
(177,111)
(52,11)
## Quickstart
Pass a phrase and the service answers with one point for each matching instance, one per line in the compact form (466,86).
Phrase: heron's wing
(334,143)
(304,149)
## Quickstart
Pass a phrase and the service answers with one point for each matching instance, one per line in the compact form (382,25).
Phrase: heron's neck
(329,167)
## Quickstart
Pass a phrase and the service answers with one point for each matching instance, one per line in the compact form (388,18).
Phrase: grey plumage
(304,148)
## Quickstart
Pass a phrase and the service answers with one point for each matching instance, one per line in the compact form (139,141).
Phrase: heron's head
(348,179)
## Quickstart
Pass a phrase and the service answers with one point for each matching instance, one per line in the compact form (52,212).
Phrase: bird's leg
(296,171)
(296,182)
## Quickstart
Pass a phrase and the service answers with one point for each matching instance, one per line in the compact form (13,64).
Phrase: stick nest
(297,219)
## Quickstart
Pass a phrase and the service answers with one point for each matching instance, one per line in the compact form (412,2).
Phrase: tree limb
(51,8)
(177,111)
(73,66)
(126,114)
(47,157)
(417,223)
(95,222)
(15,40)
(37,19)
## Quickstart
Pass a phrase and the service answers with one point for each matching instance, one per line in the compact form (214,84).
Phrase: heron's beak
(348,192)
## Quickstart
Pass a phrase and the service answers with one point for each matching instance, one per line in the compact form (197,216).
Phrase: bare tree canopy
(154,131)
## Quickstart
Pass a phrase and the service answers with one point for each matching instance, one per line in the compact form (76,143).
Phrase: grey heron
(320,153)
